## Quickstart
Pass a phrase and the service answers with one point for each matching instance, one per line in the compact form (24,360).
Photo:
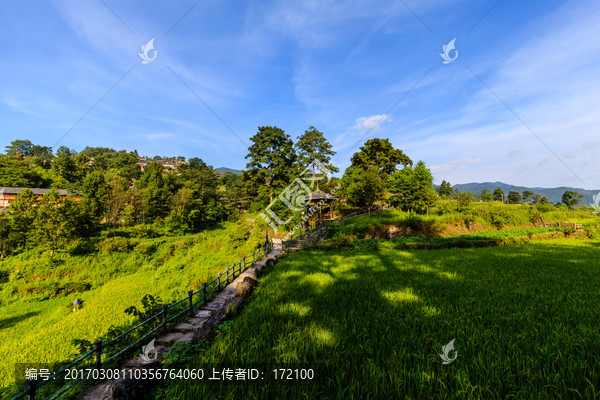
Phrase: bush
(145,248)
(340,241)
(241,232)
(593,231)
(75,287)
(497,220)
(468,218)
(114,244)
(144,231)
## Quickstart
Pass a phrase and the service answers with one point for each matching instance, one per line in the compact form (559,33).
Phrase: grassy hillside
(371,324)
(109,274)
(445,221)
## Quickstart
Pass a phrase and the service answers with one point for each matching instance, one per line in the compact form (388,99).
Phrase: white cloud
(368,124)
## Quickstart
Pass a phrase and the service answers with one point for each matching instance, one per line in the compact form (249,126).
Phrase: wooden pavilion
(320,197)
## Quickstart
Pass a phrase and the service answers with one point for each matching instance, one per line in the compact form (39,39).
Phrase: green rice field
(371,324)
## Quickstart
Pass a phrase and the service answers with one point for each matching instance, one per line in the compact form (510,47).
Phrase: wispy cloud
(456,165)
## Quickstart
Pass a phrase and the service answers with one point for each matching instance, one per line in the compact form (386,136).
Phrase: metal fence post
(191,297)
(98,351)
(165,308)
(204,293)
(227,277)
(219,282)
(30,388)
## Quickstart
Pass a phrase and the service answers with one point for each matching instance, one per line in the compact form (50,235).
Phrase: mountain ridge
(554,194)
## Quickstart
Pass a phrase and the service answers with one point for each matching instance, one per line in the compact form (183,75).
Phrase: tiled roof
(319,195)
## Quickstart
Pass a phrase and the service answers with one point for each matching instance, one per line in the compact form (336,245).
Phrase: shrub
(75,287)
(145,248)
(497,220)
(144,231)
(469,218)
(114,244)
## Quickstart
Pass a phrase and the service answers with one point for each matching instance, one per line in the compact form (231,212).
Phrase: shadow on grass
(10,321)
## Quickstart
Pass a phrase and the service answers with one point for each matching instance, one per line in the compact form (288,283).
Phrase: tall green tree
(498,195)
(381,155)
(95,191)
(528,195)
(312,145)
(571,199)
(64,165)
(23,212)
(56,222)
(514,197)
(413,188)
(156,189)
(362,187)
(23,147)
(17,173)
(271,162)
(486,195)
(445,189)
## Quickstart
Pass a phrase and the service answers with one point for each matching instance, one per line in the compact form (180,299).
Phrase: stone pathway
(204,320)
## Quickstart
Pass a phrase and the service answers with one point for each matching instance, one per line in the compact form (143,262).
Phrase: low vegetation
(108,274)
(371,325)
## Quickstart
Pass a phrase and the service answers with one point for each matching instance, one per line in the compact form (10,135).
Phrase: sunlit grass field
(479,217)
(37,322)
(525,319)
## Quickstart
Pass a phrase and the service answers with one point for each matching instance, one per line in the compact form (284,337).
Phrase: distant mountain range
(225,170)
(554,194)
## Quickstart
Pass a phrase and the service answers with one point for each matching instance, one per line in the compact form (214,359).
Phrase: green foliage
(182,353)
(514,197)
(445,190)
(18,173)
(362,187)
(95,191)
(271,163)
(311,146)
(156,189)
(413,188)
(145,248)
(571,199)
(498,195)
(150,306)
(82,345)
(463,200)
(115,244)
(486,195)
(379,154)
(56,221)
(36,292)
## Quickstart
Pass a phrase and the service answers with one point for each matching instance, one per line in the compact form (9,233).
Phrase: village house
(168,164)
(8,194)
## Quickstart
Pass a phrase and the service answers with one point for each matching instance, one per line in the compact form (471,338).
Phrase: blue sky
(520,104)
